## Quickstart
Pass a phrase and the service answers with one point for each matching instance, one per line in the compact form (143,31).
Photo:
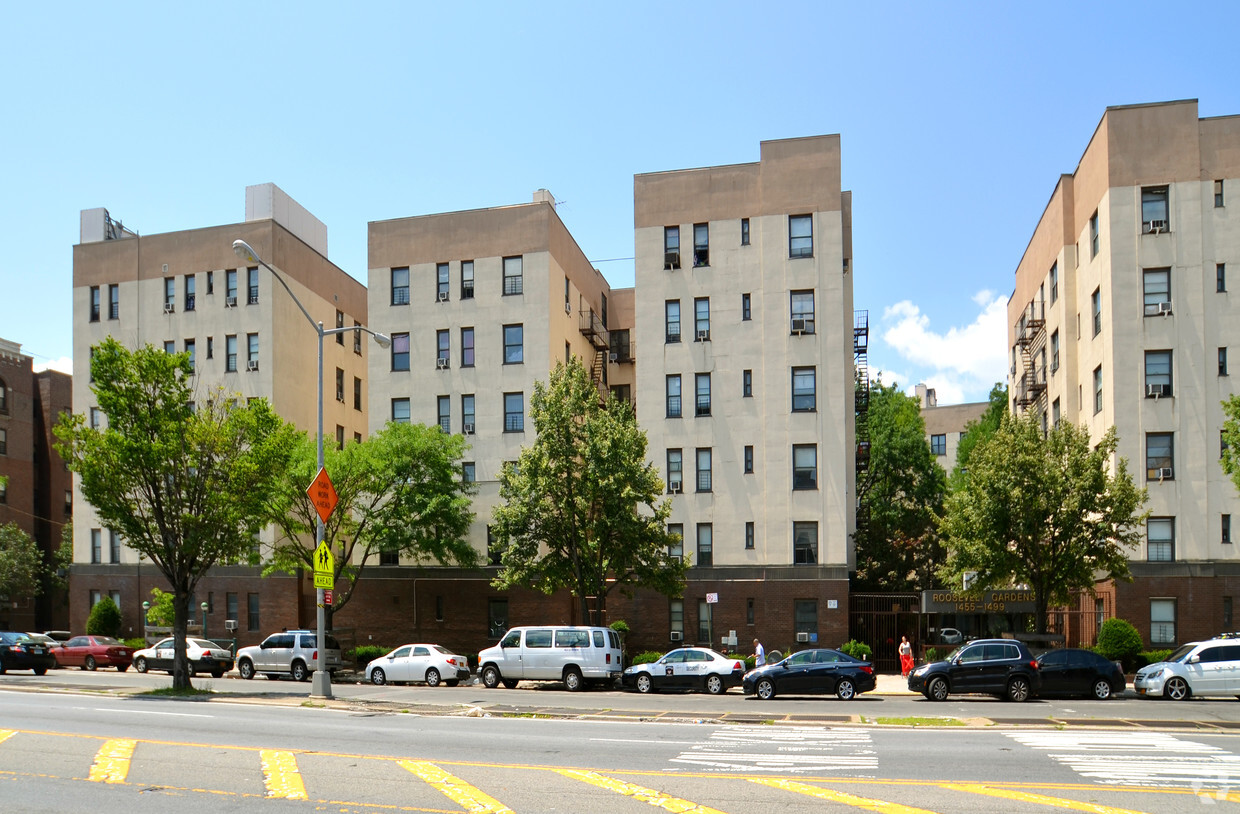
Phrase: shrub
(1149,657)
(647,657)
(1119,641)
(161,613)
(136,644)
(105,619)
(366,653)
(620,626)
(856,649)
(932,654)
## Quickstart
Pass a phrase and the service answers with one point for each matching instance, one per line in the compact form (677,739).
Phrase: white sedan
(419,662)
(687,668)
(204,657)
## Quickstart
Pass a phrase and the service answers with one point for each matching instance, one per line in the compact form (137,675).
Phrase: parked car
(92,652)
(1002,667)
(811,671)
(687,668)
(1211,667)
(949,635)
(1069,671)
(574,655)
(20,652)
(204,657)
(419,662)
(44,639)
(291,652)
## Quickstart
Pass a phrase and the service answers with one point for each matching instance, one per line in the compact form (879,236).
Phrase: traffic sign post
(323,495)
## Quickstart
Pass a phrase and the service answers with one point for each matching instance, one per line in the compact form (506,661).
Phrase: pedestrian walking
(759,655)
(906,656)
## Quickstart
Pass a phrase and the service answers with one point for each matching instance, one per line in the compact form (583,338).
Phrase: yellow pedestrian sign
(324,567)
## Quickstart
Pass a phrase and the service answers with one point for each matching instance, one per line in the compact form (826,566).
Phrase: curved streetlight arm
(248,255)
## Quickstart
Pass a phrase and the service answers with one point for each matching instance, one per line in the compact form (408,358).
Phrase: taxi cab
(687,668)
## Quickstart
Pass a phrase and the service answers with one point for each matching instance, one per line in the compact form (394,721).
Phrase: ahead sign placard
(324,567)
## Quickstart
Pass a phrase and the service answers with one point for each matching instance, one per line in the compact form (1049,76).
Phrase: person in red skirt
(906,656)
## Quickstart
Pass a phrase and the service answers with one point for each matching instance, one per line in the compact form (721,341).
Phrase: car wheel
(40,671)
(432,677)
(644,684)
(845,690)
(89,664)
(217,674)
(1102,689)
(120,668)
(1177,689)
(1018,689)
(714,685)
(246,668)
(139,664)
(300,673)
(490,676)
(766,689)
(2,667)
(572,680)
(378,677)
(509,683)
(937,689)
(452,682)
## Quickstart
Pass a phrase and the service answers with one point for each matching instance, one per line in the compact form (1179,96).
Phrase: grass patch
(173,692)
(538,715)
(914,720)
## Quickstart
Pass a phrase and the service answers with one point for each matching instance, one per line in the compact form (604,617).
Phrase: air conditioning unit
(675,487)
(1157,227)
(568,307)
(441,363)
(230,302)
(677,635)
(802,637)
(443,296)
(703,336)
(1166,472)
(798,326)
(169,308)
(230,624)
(1164,308)
(671,260)
(252,364)
(613,357)
(468,429)
(1157,390)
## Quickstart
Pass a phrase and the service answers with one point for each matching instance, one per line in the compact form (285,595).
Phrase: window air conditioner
(230,302)
(1157,227)
(443,296)
(613,358)
(1164,308)
(674,487)
(1157,390)
(1166,472)
(441,363)
(677,635)
(169,308)
(802,637)
(568,307)
(671,260)
(252,364)
(468,429)
(798,326)
(703,336)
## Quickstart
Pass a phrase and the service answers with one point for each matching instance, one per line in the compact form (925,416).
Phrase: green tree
(1119,641)
(581,509)
(401,491)
(901,492)
(977,431)
(162,612)
(105,619)
(1045,512)
(186,484)
(1231,439)
(20,562)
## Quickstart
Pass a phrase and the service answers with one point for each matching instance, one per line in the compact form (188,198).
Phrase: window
(705,545)
(210,347)
(672,319)
(251,358)
(68,502)
(339,437)
(230,354)
(443,281)
(400,351)
(1054,282)
(468,474)
(1218,194)
(1056,415)
(96,546)
(804,466)
(1220,277)
(938,444)
(357,393)
(210,282)
(1093,235)
(339,327)
(512,276)
(749,611)
(744,231)
(1154,210)
(676,616)
(400,411)
(190,299)
(673,396)
(1222,443)
(1097,389)
(400,286)
(703,469)
(340,385)
(676,546)
(230,285)
(514,349)
(95,423)
(1159,455)
(748,459)
(170,294)
(804,390)
(701,318)
(1157,373)
(94,303)
(749,536)
(467,279)
(1055,351)
(702,392)
(701,244)
(252,274)
(443,348)
(467,347)
(444,413)
(4,490)
(1222,361)
(1157,288)
(190,347)
(114,302)
(1162,621)
(675,470)
(514,412)
(804,543)
(671,247)
(1227,613)
(747,384)
(746,313)
(170,347)
(1095,303)
(802,312)
(800,236)
(4,398)
(114,547)
(254,622)
(1226,529)
(620,345)
(389,557)
(497,617)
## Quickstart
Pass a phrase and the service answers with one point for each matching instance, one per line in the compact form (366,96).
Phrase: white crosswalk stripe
(784,749)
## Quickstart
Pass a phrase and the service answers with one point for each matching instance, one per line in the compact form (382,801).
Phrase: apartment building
(1121,316)
(945,424)
(184,291)
(744,315)
(35,488)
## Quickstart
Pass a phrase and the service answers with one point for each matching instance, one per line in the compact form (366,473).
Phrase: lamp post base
(321,684)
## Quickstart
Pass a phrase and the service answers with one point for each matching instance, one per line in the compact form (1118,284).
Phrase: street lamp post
(321,681)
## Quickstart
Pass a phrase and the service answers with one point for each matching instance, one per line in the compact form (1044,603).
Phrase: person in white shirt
(759,655)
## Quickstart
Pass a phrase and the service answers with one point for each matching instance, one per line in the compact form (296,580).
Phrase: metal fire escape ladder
(861,407)
(1031,340)
(592,328)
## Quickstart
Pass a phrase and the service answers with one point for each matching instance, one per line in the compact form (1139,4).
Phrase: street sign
(324,567)
(327,597)
(711,599)
(322,495)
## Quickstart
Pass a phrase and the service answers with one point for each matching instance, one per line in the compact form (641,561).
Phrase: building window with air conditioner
(804,389)
(1157,374)
(702,393)
(1160,539)
(675,471)
(443,349)
(467,413)
(800,236)
(443,281)
(802,307)
(514,344)
(1156,285)
(443,412)
(676,612)
(671,311)
(701,245)
(804,543)
(1159,456)
(513,280)
(671,247)
(252,273)
(170,295)
(1154,210)
(400,352)
(673,396)
(400,286)
(804,466)
(701,319)
(230,288)
(251,358)
(340,385)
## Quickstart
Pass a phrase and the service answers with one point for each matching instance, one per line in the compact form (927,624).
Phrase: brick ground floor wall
(1203,599)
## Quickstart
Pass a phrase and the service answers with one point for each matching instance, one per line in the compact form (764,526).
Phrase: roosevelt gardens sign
(1009,601)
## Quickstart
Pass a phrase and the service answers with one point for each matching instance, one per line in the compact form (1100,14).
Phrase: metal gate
(879,620)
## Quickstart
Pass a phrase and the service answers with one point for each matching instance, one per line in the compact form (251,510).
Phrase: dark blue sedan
(811,671)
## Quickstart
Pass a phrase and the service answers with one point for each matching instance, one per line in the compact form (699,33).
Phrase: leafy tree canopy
(977,431)
(582,508)
(1046,512)
(1231,439)
(20,562)
(105,619)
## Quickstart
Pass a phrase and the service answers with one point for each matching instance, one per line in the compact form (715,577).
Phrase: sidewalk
(892,684)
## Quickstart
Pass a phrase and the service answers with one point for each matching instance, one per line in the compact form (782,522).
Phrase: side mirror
(1195,658)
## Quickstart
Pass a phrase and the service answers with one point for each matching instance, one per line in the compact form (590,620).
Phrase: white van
(574,655)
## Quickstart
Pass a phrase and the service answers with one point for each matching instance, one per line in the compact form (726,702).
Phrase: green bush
(647,657)
(620,626)
(1149,657)
(137,644)
(931,654)
(1119,641)
(366,653)
(161,613)
(105,619)
(856,649)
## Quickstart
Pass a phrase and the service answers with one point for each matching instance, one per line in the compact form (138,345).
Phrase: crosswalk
(785,749)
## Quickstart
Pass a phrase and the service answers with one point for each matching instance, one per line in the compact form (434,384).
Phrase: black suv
(1002,667)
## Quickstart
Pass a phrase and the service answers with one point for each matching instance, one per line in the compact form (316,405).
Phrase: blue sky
(955,122)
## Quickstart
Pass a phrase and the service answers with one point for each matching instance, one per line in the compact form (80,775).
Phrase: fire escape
(1031,340)
(861,406)
(592,329)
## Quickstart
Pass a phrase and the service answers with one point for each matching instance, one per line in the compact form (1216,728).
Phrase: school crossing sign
(324,567)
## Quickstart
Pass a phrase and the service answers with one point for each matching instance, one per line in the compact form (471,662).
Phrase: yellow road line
(649,796)
(5,734)
(112,761)
(472,799)
(281,776)
(1026,797)
(838,797)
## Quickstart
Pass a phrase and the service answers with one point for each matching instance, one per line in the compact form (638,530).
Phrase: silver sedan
(427,663)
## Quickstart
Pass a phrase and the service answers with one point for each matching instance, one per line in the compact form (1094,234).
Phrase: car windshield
(952,655)
(108,640)
(1182,653)
(442,650)
(203,643)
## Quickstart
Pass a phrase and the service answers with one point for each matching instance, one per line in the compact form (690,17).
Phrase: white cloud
(64,364)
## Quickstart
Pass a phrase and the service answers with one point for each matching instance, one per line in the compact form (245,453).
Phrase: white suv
(1197,668)
(292,652)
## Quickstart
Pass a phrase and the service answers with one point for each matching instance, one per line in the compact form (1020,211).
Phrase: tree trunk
(1039,611)
(180,624)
